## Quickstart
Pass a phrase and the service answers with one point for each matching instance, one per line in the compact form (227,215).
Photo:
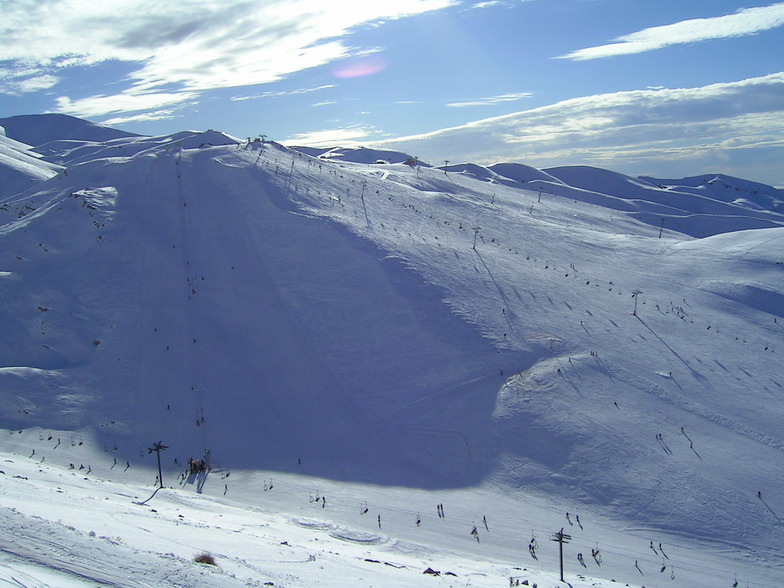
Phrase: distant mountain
(695,194)
(359,155)
(697,211)
(38,129)
(727,189)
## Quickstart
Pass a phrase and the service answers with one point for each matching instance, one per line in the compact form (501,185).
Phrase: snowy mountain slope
(416,330)
(728,189)
(264,527)
(522,173)
(20,168)
(575,311)
(698,213)
(275,302)
(38,129)
(72,152)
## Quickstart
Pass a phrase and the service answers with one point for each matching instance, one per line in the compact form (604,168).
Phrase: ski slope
(510,342)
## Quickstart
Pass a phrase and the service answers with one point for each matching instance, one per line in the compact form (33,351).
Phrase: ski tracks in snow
(75,557)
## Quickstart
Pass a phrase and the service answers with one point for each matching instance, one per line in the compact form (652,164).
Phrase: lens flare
(360,67)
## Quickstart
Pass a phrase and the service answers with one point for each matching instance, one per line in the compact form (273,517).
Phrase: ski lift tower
(635,295)
(157,448)
(560,537)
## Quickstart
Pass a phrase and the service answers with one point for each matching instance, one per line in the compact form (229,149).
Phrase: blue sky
(645,87)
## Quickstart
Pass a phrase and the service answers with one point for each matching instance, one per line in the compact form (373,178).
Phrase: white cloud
(346,137)
(185,46)
(283,93)
(96,106)
(491,100)
(19,81)
(492,3)
(747,21)
(163,114)
(632,128)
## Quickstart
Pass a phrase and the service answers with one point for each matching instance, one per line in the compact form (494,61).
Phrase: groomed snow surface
(350,340)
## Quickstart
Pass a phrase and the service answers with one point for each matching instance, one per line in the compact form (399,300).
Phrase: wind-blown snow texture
(526,342)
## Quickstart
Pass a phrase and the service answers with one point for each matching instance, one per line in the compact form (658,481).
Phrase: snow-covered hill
(20,166)
(514,343)
(39,129)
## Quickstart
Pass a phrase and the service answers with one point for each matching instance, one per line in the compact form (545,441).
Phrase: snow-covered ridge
(20,166)
(38,129)
(699,206)
(510,341)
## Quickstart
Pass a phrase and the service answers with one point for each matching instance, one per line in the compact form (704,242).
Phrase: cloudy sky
(660,87)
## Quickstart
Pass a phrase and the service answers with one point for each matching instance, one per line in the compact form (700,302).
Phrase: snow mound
(753,295)
(476,171)
(523,173)
(602,180)
(339,532)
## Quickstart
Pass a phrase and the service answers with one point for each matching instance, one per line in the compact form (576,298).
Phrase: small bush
(205,558)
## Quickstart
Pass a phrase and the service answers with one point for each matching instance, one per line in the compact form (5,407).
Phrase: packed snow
(342,341)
